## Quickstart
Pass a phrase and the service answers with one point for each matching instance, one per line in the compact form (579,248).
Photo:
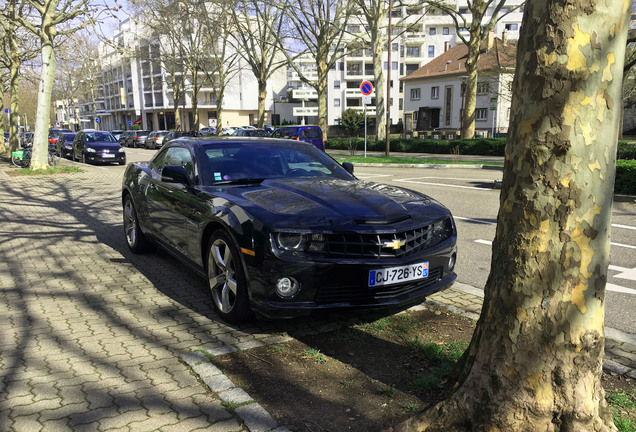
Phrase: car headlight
(68,146)
(442,230)
(90,150)
(300,242)
(121,150)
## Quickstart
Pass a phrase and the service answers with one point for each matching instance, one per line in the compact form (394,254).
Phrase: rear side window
(313,133)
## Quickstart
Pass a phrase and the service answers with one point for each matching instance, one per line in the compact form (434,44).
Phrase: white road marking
(475,220)
(443,185)
(619,289)
(624,227)
(625,273)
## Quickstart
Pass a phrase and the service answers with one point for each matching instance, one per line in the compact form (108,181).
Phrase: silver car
(155,139)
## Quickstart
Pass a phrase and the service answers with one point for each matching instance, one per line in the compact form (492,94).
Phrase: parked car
(228,130)
(253,132)
(137,138)
(117,133)
(123,138)
(309,134)
(53,136)
(155,139)
(174,134)
(207,131)
(281,229)
(64,145)
(91,146)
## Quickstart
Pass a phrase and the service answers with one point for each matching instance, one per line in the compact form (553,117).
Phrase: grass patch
(407,160)
(315,355)
(623,405)
(48,171)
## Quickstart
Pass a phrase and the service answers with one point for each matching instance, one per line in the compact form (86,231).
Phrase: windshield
(100,137)
(236,162)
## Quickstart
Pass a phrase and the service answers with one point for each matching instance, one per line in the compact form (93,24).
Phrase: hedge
(625,177)
(625,166)
(477,146)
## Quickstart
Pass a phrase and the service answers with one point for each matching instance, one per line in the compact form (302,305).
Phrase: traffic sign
(129,123)
(366,88)
(97,120)
(366,100)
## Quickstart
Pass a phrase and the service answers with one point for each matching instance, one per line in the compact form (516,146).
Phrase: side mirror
(175,174)
(348,166)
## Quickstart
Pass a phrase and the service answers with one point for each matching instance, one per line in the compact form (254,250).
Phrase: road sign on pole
(366,88)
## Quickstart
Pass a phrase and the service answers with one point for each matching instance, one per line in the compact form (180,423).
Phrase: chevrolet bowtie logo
(395,244)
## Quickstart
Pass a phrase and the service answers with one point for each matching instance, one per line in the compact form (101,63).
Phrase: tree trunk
(39,157)
(14,83)
(195,100)
(535,360)
(262,95)
(219,109)
(321,90)
(377,43)
(470,95)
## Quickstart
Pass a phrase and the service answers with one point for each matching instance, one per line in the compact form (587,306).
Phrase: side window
(179,156)
(276,134)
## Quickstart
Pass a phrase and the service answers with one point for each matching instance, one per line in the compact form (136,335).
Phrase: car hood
(314,202)
(103,145)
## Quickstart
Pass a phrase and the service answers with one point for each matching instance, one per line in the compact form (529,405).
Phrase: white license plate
(108,155)
(393,275)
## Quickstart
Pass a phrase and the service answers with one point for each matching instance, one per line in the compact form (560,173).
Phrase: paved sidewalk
(96,338)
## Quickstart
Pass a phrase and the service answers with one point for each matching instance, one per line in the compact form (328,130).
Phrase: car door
(170,203)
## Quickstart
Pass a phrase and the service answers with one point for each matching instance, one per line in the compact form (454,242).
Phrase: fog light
(287,287)
(451,262)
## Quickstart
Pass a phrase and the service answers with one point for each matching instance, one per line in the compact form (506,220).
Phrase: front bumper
(119,158)
(344,285)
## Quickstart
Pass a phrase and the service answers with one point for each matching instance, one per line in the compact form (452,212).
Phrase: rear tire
(226,279)
(135,239)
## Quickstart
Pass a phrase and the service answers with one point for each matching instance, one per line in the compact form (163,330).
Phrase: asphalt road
(469,194)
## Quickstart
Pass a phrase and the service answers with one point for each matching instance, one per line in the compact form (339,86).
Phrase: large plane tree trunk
(535,360)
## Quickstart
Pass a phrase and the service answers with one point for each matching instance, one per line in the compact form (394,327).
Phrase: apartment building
(419,34)
(135,89)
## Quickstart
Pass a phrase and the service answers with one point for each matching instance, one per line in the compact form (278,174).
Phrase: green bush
(625,177)
(477,146)
(626,150)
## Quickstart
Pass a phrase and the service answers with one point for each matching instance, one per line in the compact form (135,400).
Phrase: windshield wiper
(239,181)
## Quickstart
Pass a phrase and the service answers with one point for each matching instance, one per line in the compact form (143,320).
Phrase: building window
(415,94)
(432,31)
(414,11)
(448,106)
(481,114)
(435,92)
(463,11)
(413,51)
(394,47)
(336,84)
(483,88)
(336,102)
(394,65)
(513,26)
(431,50)
(445,31)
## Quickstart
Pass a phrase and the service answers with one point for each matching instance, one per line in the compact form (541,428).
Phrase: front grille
(365,295)
(353,245)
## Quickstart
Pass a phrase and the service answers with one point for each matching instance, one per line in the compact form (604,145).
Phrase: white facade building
(135,90)
(434,94)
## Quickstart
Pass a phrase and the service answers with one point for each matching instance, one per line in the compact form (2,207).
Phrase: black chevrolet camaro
(280,229)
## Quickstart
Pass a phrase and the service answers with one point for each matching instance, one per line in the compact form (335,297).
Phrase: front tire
(135,239)
(226,278)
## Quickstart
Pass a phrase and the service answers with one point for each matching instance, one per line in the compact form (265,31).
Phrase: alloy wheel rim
(130,224)
(222,276)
